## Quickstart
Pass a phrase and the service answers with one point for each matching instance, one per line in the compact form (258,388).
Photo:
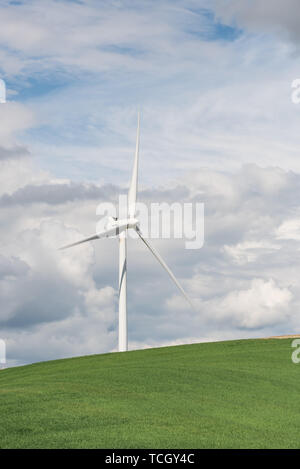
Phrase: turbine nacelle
(115,226)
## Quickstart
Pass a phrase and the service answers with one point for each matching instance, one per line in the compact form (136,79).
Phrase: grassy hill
(237,394)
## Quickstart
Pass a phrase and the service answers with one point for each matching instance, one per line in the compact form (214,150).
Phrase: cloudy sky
(213,81)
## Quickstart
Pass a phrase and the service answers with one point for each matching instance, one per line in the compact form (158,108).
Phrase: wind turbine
(119,227)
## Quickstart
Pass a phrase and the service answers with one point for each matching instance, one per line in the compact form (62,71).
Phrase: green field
(237,394)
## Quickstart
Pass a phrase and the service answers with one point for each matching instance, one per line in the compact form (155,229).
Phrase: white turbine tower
(119,227)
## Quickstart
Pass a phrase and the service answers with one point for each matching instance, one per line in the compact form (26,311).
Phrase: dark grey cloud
(45,299)
(251,254)
(277,16)
(15,152)
(12,267)
(167,195)
(57,194)
(34,295)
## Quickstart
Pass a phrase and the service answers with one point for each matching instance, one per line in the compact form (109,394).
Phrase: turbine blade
(85,240)
(134,178)
(164,265)
(110,231)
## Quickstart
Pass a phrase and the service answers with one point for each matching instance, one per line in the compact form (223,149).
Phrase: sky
(218,126)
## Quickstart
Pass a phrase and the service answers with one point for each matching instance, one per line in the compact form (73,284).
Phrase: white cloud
(196,111)
(289,229)
(83,37)
(79,286)
(15,118)
(262,304)
(249,251)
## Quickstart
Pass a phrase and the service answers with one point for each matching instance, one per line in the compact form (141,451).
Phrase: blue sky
(213,82)
(77,100)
